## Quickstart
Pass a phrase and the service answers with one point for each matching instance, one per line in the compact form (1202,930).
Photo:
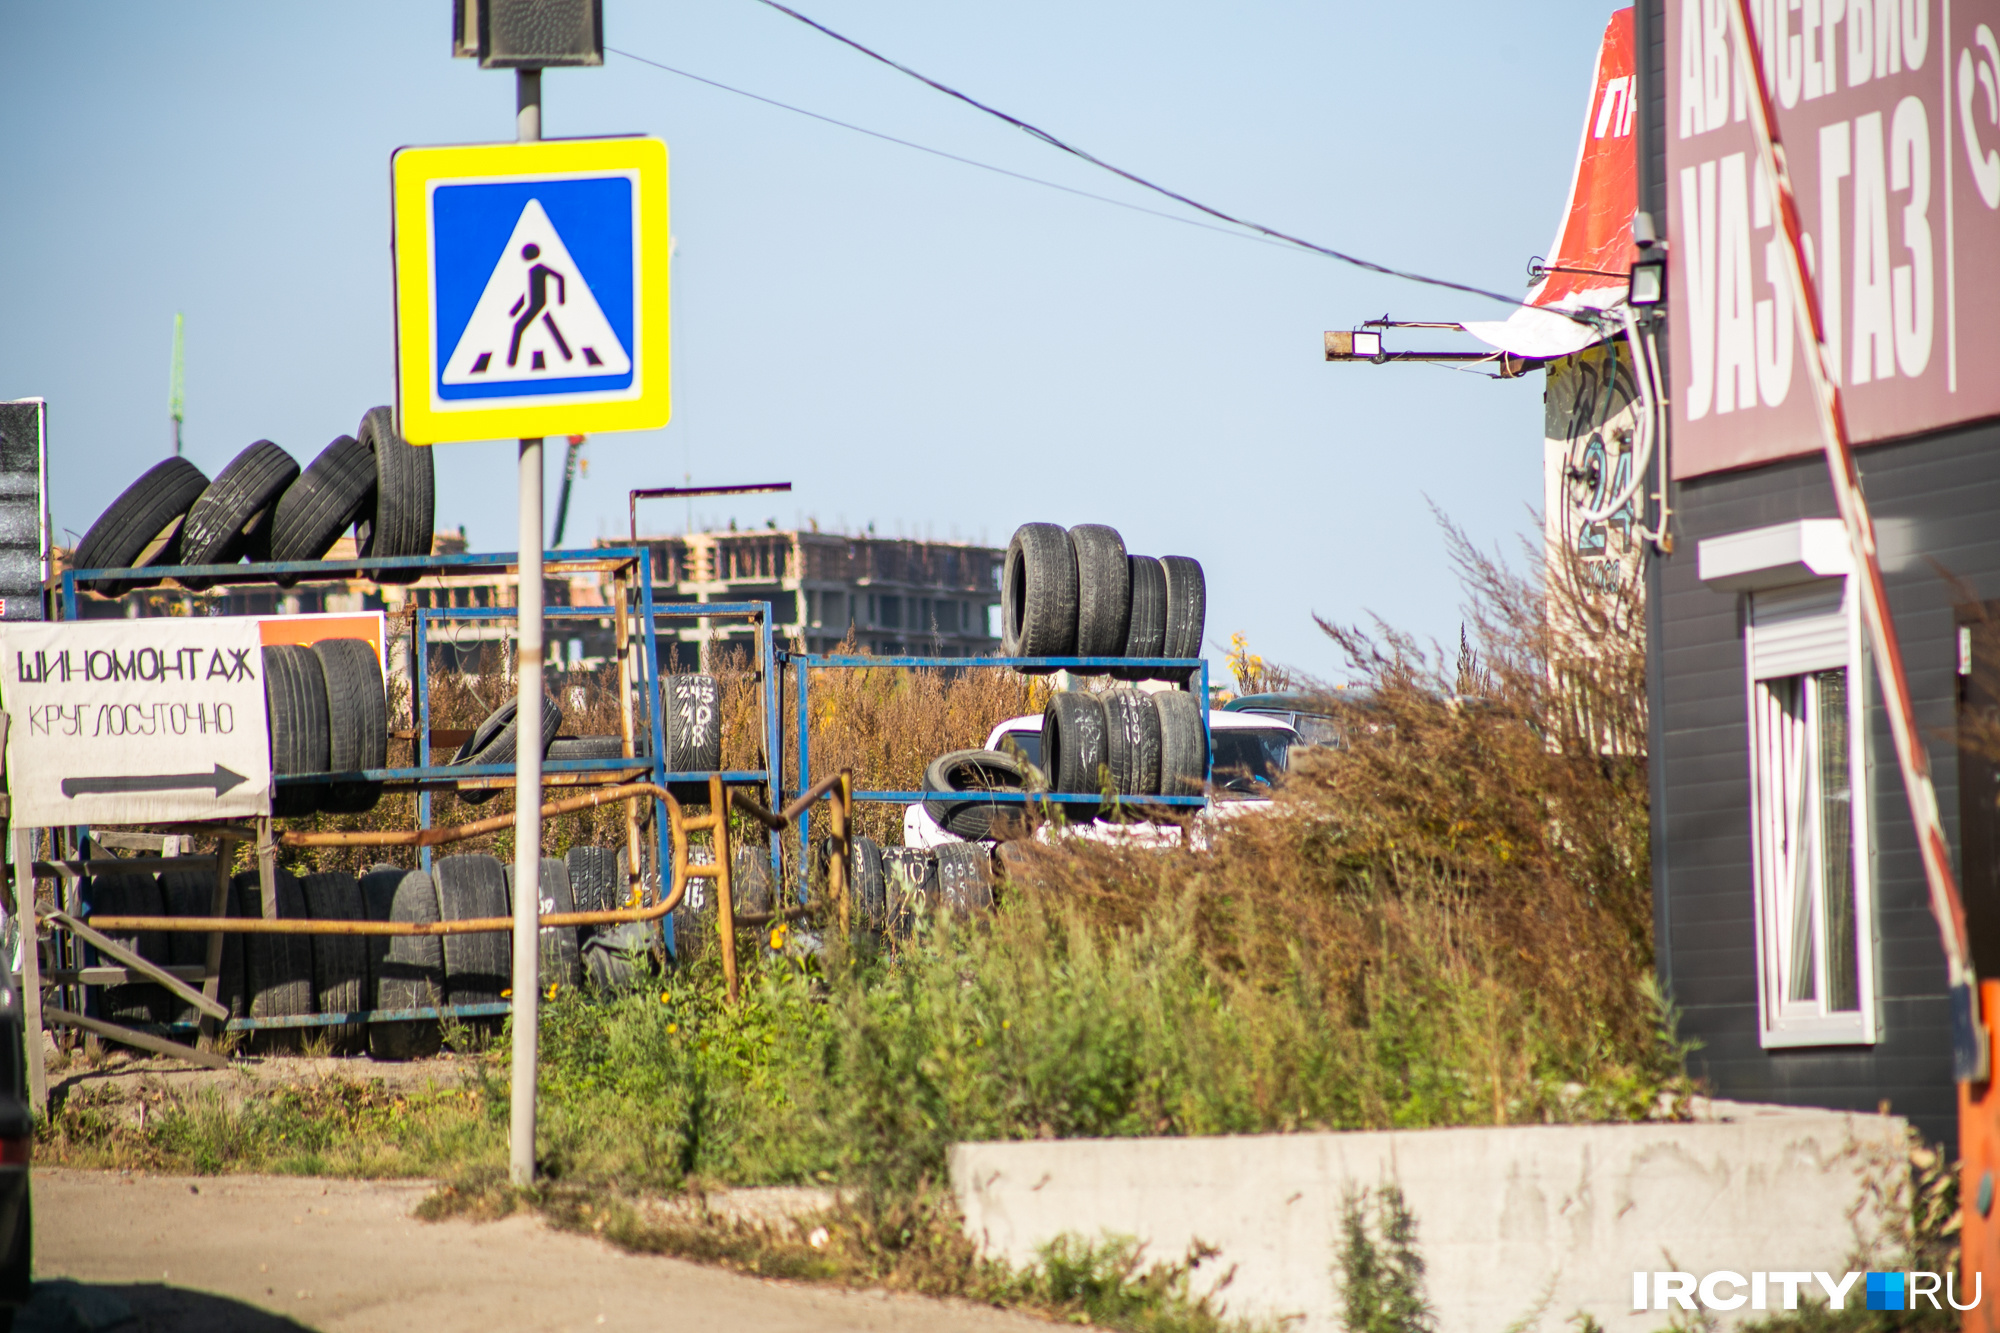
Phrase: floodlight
(1649,283)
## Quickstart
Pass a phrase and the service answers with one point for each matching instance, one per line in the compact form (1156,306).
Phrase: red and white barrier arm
(1946,904)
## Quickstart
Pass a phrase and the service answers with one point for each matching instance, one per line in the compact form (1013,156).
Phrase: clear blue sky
(932,348)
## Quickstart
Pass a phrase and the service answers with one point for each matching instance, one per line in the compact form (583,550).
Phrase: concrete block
(1520,1227)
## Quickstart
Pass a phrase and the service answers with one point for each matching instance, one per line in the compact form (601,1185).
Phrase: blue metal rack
(771,776)
(427,776)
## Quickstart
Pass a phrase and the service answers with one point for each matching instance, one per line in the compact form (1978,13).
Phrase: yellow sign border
(412,172)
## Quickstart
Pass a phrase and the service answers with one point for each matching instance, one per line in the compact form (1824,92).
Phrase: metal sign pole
(528,754)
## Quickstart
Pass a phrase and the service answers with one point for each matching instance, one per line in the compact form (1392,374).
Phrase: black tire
(619,957)
(487,731)
(187,893)
(476,967)
(972,771)
(559,958)
(411,974)
(868,883)
(232,519)
(1146,624)
(1132,742)
(1103,590)
(142,526)
(909,877)
(596,878)
(405,496)
(694,723)
(965,878)
(496,740)
(190,893)
(340,962)
(1038,593)
(143,1002)
(277,969)
(295,704)
(329,495)
(588,747)
(595,884)
(1187,606)
(378,900)
(1183,745)
(295,697)
(1073,742)
(357,708)
(750,879)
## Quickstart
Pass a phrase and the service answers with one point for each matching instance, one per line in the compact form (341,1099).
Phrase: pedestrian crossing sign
(531,289)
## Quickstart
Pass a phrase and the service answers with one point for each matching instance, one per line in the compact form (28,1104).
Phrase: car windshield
(1027,743)
(1248,761)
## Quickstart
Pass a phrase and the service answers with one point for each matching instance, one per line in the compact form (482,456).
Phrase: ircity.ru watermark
(1734,1291)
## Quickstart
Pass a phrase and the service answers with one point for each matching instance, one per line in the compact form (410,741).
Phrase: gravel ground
(262,1254)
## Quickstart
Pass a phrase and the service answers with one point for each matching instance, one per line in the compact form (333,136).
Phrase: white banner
(133,721)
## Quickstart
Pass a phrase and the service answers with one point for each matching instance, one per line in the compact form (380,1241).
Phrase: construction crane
(176,389)
(562,496)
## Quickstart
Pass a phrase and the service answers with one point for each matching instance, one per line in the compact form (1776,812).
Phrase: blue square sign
(531,289)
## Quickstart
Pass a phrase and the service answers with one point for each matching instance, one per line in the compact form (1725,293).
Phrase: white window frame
(1784,811)
(1812,624)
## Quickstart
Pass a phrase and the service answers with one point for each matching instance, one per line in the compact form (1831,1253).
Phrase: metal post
(528,757)
(36,1042)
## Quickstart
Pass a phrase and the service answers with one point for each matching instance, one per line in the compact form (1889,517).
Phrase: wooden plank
(117,865)
(106,945)
(267,868)
(218,906)
(145,1041)
(102,974)
(155,844)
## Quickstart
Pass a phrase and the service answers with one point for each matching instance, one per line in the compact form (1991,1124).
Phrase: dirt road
(347,1257)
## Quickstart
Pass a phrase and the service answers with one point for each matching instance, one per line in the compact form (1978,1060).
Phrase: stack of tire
(1125,741)
(292,976)
(893,890)
(1077,593)
(328,713)
(261,507)
(693,727)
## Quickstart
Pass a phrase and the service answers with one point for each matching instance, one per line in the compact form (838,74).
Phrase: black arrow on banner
(220,781)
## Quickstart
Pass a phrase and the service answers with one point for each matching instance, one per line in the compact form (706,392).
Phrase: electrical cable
(953,157)
(1037,132)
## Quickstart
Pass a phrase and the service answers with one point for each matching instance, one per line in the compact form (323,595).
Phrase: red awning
(1593,250)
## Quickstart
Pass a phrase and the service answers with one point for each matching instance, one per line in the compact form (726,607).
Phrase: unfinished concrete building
(895,596)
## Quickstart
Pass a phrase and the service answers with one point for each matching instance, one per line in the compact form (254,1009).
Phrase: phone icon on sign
(1985,161)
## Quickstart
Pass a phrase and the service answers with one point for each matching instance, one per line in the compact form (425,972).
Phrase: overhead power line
(1037,132)
(951,157)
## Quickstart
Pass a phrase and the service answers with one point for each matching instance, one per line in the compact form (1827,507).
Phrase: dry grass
(1463,890)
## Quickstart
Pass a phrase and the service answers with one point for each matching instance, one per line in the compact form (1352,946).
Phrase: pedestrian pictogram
(531,289)
(537,320)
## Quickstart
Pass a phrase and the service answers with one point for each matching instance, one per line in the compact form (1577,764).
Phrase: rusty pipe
(780,821)
(250,925)
(438,837)
(679,824)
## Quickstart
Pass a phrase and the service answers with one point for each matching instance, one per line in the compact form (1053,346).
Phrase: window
(1809,821)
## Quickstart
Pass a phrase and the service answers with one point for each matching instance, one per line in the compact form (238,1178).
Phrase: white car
(1251,753)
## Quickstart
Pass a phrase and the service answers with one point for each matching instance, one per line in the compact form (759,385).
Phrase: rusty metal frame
(837,788)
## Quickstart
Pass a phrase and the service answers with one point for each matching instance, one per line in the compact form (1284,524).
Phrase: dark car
(17,1136)
(1304,713)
